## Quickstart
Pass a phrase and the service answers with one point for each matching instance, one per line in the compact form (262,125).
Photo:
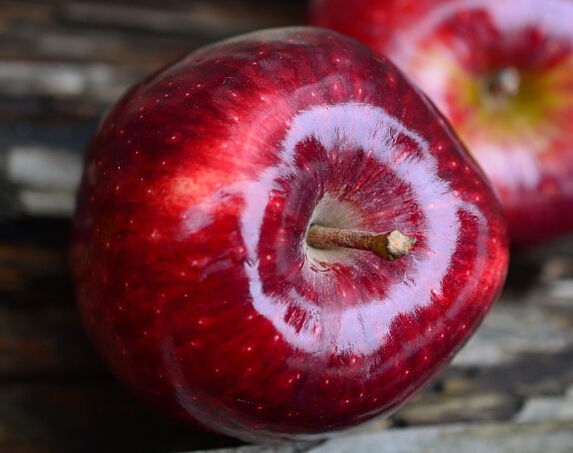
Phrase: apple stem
(388,246)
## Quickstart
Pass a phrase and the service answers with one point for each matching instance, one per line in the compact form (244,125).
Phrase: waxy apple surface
(502,73)
(193,274)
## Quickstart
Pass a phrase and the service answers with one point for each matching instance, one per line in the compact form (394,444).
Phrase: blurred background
(62,64)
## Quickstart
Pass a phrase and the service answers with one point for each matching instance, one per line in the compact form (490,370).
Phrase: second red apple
(502,72)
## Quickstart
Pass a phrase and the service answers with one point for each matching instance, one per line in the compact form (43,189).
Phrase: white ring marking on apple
(371,131)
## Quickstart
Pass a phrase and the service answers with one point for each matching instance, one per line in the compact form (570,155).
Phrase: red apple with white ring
(279,237)
(502,73)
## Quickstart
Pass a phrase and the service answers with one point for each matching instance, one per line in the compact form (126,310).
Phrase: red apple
(502,72)
(216,242)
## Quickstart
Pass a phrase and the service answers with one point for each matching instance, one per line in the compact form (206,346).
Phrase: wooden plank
(554,437)
(211,20)
(537,409)
(47,343)
(69,416)
(33,262)
(99,82)
(40,331)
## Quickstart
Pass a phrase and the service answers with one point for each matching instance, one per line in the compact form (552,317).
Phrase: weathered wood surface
(61,65)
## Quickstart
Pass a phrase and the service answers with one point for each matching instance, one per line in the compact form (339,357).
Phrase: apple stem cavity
(388,246)
(502,85)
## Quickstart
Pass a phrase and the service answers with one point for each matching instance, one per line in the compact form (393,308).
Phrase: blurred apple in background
(279,237)
(502,73)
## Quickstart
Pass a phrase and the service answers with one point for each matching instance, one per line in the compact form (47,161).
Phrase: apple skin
(192,272)
(451,48)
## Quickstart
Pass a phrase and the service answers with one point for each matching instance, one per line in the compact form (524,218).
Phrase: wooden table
(61,64)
